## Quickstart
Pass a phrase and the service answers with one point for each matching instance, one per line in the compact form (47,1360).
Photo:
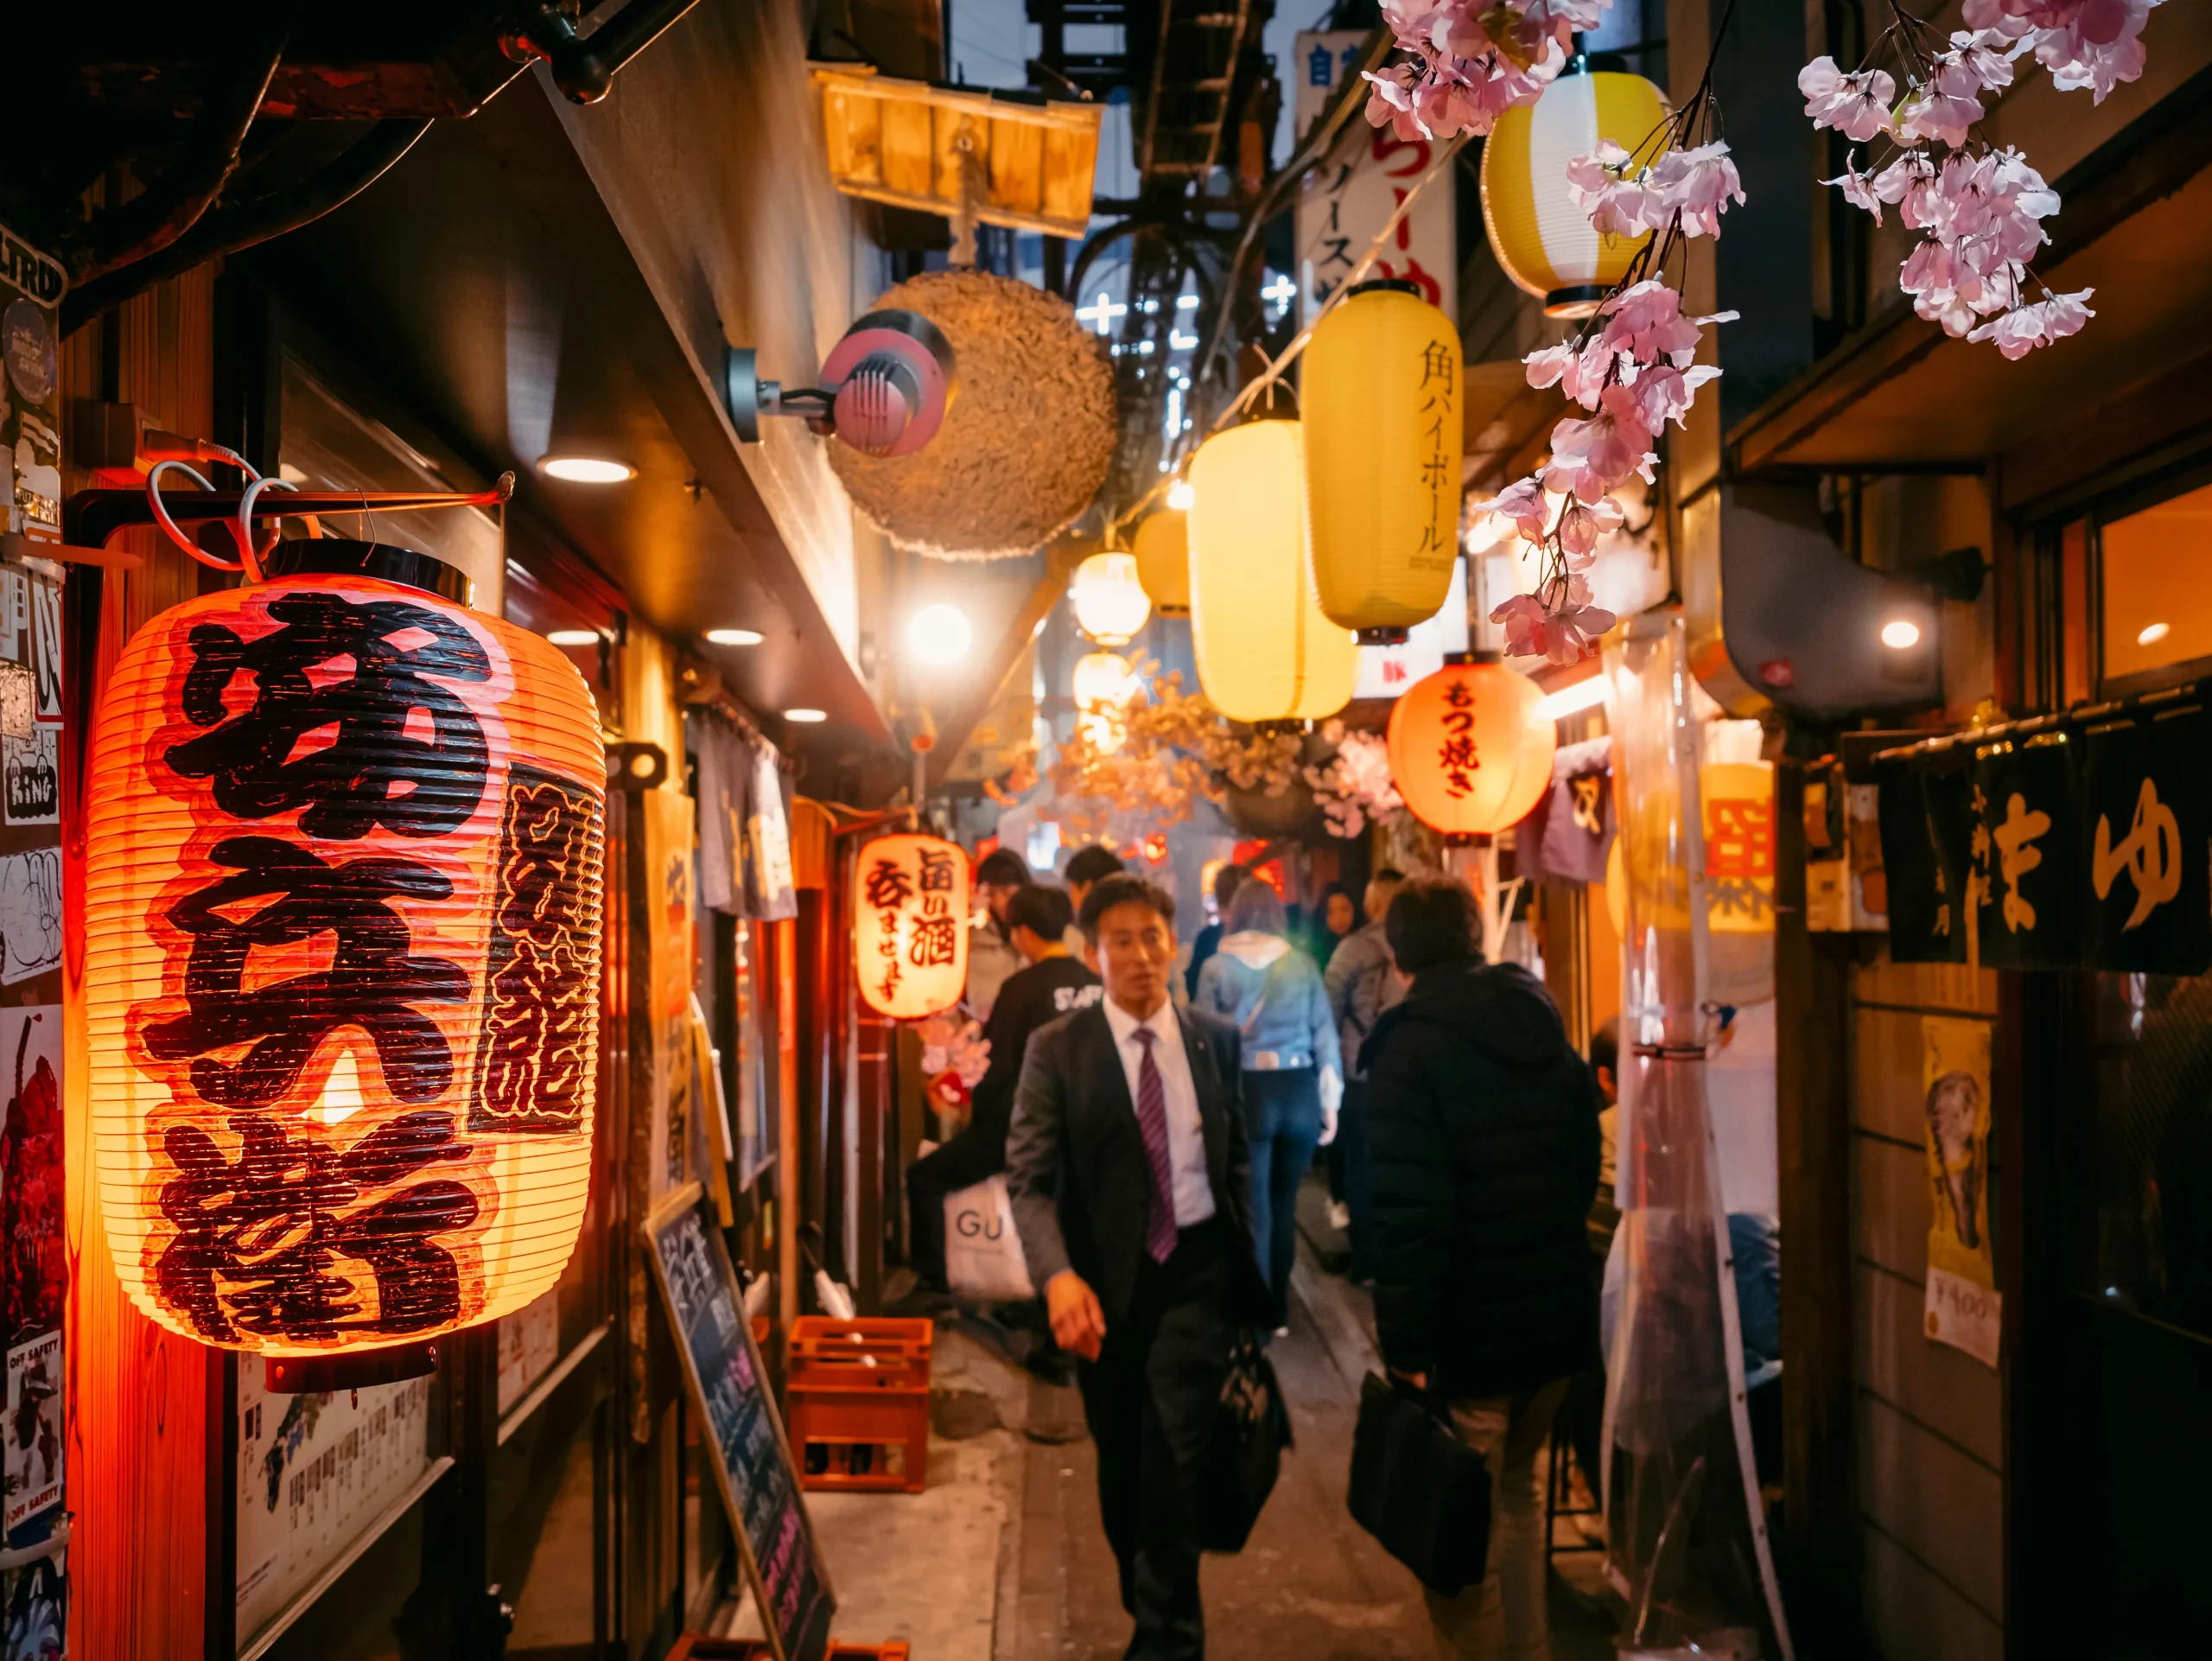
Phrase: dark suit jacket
(1075,1159)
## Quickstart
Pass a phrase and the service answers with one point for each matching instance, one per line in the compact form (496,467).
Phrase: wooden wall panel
(138,1396)
(1911,1615)
(1941,1505)
(1890,1207)
(1946,1388)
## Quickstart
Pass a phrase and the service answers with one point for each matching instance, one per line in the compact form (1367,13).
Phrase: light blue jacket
(1271,993)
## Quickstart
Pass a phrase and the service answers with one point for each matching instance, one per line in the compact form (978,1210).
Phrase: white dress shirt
(1191,1189)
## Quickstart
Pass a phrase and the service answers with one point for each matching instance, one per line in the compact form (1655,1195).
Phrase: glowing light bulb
(1900,634)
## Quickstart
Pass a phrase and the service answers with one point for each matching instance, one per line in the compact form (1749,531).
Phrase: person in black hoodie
(1482,1150)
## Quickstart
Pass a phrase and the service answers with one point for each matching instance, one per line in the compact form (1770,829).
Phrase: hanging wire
(161,516)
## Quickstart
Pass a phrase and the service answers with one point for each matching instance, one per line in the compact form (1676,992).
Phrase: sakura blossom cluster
(1473,61)
(954,1047)
(1355,788)
(1979,209)
(1624,199)
(1634,370)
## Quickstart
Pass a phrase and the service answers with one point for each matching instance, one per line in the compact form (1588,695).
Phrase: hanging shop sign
(2147,809)
(342,900)
(1568,835)
(1344,202)
(1739,798)
(1265,651)
(1380,392)
(910,934)
(1469,751)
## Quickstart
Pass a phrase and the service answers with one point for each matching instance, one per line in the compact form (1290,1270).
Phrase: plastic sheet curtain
(1688,1548)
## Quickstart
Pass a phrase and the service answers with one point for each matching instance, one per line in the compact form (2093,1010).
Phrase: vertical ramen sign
(342,911)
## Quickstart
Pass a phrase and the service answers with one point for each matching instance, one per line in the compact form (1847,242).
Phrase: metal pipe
(584,67)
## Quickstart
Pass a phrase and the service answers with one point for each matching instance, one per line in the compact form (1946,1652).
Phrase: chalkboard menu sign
(753,1463)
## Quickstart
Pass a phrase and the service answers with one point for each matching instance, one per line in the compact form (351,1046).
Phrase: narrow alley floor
(1003,1557)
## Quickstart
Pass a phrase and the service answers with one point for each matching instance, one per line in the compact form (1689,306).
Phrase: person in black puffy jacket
(1483,1145)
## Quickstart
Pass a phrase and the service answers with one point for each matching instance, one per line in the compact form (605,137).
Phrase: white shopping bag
(982,1254)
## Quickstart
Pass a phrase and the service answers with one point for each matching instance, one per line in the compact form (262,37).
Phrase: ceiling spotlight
(806,715)
(2153,633)
(734,637)
(1181,495)
(1900,634)
(940,634)
(574,636)
(586,469)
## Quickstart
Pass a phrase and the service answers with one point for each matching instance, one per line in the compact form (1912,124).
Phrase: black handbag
(1418,1489)
(1251,1429)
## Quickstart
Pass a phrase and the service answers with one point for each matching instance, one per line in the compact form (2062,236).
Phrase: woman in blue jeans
(1293,1076)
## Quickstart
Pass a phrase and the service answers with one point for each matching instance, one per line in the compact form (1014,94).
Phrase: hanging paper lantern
(1469,751)
(1111,603)
(1103,685)
(1738,799)
(910,928)
(342,881)
(1163,550)
(1381,391)
(1544,242)
(1265,652)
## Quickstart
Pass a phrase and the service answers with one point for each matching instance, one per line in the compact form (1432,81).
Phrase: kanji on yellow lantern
(342,940)
(1111,603)
(1163,552)
(910,926)
(1739,798)
(1545,243)
(1264,650)
(1469,752)
(1380,396)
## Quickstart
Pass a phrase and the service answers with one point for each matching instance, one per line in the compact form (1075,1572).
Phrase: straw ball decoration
(1027,442)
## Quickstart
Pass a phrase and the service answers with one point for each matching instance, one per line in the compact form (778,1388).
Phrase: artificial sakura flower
(1619,203)
(1475,61)
(1566,635)
(1936,112)
(2020,331)
(1590,457)
(1580,372)
(1698,184)
(2092,43)
(1580,525)
(1855,105)
(1664,393)
(1522,502)
(1390,101)
(1974,64)
(1646,322)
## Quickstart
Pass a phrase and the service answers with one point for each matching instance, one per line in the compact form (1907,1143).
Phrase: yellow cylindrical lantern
(1103,684)
(1381,395)
(1470,751)
(1163,552)
(1544,242)
(1111,603)
(342,938)
(910,926)
(1264,650)
(1739,845)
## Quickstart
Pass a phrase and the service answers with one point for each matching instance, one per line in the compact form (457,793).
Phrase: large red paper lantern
(910,926)
(342,881)
(1468,750)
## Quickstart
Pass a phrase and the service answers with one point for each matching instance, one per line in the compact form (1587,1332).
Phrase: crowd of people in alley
(1153,1115)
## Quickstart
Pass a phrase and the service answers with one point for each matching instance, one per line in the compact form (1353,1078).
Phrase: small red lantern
(1468,750)
(342,877)
(910,928)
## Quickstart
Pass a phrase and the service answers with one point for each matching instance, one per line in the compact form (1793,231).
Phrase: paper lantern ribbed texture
(1264,651)
(1469,753)
(342,882)
(1546,243)
(1381,391)
(1163,550)
(910,926)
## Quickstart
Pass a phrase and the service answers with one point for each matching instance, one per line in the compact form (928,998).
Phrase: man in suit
(1130,1176)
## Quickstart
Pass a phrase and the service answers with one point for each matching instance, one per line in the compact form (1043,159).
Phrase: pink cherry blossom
(1982,67)
(1699,184)
(1580,525)
(1665,393)
(1617,202)
(1933,112)
(1646,322)
(1391,104)
(1522,502)
(1566,635)
(1589,457)
(1857,106)
(2020,331)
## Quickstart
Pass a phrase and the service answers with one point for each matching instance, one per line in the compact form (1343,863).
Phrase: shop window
(2155,571)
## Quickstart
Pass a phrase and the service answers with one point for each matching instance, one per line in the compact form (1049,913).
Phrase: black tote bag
(1251,1429)
(1418,1489)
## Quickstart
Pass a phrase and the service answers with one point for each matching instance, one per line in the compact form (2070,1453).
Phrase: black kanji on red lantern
(373,981)
(256,1237)
(377,768)
(1457,754)
(889,885)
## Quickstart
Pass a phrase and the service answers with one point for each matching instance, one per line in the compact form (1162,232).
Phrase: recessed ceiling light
(809,715)
(573,636)
(2154,634)
(734,637)
(586,469)
(1900,634)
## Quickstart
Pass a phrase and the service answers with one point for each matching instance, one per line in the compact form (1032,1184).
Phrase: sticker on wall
(38,1614)
(30,914)
(33,1263)
(33,1432)
(1963,1308)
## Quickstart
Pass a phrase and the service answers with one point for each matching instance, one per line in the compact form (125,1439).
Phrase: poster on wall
(31,286)
(672,901)
(32,1434)
(37,1597)
(1963,1306)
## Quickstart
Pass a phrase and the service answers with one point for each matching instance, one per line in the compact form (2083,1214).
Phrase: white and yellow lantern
(1109,601)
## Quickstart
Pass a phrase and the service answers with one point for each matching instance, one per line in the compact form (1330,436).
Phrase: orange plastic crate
(858,1401)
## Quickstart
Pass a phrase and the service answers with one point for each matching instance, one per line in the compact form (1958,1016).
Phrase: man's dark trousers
(961,1163)
(1151,1398)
